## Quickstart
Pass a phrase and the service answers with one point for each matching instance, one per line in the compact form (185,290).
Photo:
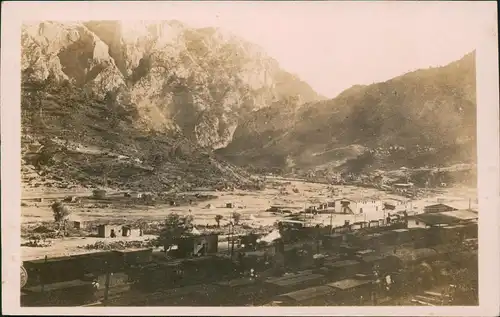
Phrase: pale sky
(330,45)
(335,45)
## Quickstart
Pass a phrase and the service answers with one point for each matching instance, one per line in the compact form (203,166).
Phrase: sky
(332,45)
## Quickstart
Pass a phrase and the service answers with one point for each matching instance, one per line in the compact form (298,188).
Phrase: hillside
(200,82)
(72,138)
(140,105)
(426,117)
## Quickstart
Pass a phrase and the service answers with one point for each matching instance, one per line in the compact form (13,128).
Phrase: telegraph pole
(331,221)
(106,284)
(232,239)
(44,274)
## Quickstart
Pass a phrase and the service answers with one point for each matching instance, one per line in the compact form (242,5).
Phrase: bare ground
(250,204)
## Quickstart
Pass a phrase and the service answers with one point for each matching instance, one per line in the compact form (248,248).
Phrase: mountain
(426,117)
(200,82)
(140,105)
(143,105)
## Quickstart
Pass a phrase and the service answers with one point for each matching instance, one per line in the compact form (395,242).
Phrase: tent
(195,232)
(209,206)
(273,235)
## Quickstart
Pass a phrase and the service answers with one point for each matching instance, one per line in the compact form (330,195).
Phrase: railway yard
(285,251)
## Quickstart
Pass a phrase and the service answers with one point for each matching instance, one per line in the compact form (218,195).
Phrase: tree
(175,226)
(218,218)
(236,217)
(61,213)
(465,280)
(289,164)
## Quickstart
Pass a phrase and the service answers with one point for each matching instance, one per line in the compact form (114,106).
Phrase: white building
(357,205)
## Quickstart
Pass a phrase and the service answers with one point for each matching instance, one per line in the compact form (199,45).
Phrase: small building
(198,245)
(135,195)
(99,193)
(413,222)
(437,219)
(438,208)
(80,224)
(357,205)
(345,206)
(109,231)
(128,231)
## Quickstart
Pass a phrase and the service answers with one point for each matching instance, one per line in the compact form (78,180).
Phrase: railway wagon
(383,262)
(59,294)
(350,292)
(371,240)
(68,268)
(312,296)
(339,269)
(289,284)
(470,230)
(332,241)
(193,295)
(240,291)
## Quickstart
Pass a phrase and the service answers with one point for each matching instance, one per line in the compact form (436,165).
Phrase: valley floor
(250,204)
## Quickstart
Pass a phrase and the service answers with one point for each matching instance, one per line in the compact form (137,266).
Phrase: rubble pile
(71,166)
(119,245)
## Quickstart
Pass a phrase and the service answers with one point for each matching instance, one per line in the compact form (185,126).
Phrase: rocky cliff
(146,103)
(199,82)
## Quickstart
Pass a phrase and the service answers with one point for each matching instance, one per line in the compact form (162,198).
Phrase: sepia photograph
(245,154)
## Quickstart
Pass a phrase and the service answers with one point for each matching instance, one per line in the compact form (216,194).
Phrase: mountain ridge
(163,98)
(405,111)
(198,81)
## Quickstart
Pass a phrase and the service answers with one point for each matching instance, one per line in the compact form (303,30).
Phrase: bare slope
(427,117)
(200,82)
(71,137)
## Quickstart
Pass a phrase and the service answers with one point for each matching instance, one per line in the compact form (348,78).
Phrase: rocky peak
(198,81)
(68,52)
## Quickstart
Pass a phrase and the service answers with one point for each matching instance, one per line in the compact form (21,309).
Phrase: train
(144,281)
